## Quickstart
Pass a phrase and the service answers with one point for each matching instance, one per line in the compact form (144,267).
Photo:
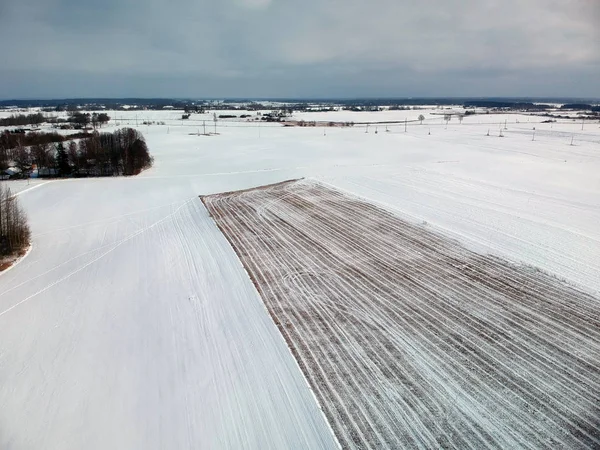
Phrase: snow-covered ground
(427,345)
(20,186)
(132,324)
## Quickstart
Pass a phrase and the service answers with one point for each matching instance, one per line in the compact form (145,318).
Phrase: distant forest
(75,119)
(529,106)
(123,152)
(298,104)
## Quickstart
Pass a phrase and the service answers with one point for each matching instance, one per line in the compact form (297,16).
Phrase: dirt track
(408,339)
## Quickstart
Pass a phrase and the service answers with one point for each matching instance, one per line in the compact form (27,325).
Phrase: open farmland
(132,324)
(409,339)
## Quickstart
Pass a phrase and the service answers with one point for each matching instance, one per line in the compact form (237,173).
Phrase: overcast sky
(299,48)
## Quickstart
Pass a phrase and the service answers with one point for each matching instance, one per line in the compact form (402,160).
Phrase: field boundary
(273,318)
(409,339)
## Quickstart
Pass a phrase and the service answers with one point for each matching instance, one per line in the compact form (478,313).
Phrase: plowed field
(407,338)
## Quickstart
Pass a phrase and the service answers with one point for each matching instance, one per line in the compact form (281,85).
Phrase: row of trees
(22,119)
(75,118)
(10,141)
(123,152)
(14,231)
(84,119)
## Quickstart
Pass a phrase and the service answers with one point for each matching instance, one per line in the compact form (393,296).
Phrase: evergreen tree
(62,161)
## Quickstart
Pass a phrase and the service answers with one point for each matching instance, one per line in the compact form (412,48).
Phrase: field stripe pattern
(407,338)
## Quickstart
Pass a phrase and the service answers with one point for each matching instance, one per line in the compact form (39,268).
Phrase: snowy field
(408,339)
(132,324)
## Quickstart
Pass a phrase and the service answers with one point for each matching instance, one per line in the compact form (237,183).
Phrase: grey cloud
(275,48)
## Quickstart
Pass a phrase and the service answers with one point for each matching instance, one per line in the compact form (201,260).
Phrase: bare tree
(102,118)
(22,159)
(42,155)
(421,118)
(73,156)
(14,230)
(4,160)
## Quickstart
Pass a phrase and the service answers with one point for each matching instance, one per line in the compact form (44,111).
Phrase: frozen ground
(408,339)
(20,186)
(131,324)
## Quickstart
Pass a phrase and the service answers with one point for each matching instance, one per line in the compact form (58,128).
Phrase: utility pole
(582,122)
(204,126)
(405,124)
(533,138)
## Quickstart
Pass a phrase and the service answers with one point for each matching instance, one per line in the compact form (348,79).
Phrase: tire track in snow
(89,263)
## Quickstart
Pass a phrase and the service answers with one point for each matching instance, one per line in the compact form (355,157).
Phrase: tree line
(84,119)
(123,152)
(23,119)
(14,230)
(76,118)
(11,140)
